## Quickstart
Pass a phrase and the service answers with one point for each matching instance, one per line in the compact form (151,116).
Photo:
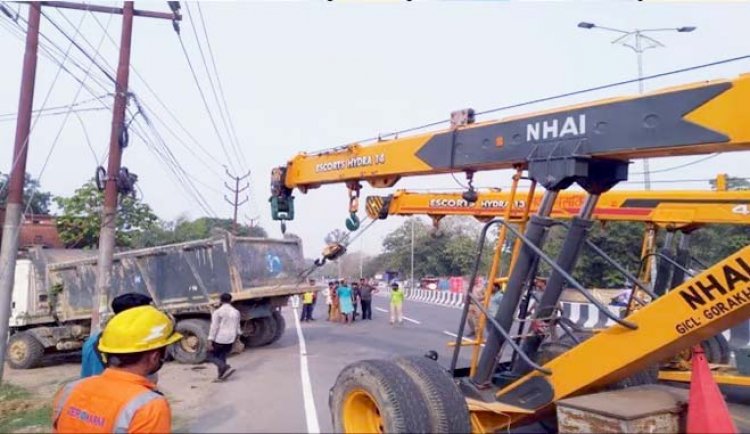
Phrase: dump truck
(55,290)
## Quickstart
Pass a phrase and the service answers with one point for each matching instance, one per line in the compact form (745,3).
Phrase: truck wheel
(24,351)
(550,350)
(193,348)
(377,396)
(280,326)
(448,412)
(263,332)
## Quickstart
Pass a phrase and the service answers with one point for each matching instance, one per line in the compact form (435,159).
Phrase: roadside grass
(20,411)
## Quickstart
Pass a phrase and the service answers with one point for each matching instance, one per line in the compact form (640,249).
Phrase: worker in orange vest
(122,399)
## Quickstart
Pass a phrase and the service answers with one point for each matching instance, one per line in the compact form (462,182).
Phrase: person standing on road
(397,304)
(365,298)
(122,399)
(314,299)
(224,331)
(92,361)
(328,293)
(345,300)
(355,299)
(307,306)
(336,305)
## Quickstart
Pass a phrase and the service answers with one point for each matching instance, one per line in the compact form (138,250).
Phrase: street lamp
(638,41)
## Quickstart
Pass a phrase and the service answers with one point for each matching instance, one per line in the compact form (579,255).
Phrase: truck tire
(377,396)
(24,351)
(448,412)
(193,348)
(280,326)
(716,349)
(264,330)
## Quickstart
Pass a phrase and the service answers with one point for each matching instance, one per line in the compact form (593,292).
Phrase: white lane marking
(311,413)
(406,317)
(453,335)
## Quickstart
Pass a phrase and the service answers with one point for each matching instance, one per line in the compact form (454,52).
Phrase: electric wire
(67,115)
(169,112)
(215,94)
(25,144)
(205,103)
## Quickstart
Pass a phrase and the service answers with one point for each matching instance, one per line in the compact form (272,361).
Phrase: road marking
(453,335)
(311,413)
(406,317)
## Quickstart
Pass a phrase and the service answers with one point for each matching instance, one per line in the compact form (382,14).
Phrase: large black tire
(377,396)
(280,326)
(193,348)
(716,349)
(24,351)
(550,350)
(264,331)
(448,412)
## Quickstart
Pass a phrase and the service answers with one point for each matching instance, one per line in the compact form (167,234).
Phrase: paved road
(270,391)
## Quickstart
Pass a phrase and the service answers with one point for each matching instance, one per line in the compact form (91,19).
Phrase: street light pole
(638,47)
(411,286)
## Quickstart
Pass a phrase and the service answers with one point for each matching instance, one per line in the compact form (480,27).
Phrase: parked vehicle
(54,292)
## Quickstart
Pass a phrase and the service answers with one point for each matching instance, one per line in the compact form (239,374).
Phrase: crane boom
(668,208)
(688,120)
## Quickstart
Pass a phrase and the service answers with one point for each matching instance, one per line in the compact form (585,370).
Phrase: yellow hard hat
(136,330)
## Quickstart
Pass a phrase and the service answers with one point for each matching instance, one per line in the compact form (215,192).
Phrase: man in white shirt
(225,328)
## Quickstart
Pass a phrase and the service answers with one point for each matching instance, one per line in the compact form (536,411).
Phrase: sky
(306,76)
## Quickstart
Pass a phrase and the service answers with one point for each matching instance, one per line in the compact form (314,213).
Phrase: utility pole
(236,190)
(109,212)
(411,286)
(14,206)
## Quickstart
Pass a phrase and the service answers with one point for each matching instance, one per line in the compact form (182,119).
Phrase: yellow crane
(588,144)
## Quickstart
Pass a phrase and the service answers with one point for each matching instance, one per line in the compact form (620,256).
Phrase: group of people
(117,390)
(343,300)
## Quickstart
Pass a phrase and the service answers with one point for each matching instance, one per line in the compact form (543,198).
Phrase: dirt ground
(185,386)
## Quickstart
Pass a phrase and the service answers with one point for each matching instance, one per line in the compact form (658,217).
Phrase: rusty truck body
(55,290)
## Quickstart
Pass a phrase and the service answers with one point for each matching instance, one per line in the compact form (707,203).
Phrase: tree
(36,200)
(80,219)
(183,229)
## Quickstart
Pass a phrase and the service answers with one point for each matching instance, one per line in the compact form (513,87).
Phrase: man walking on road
(224,331)
(397,304)
(355,299)
(122,399)
(365,297)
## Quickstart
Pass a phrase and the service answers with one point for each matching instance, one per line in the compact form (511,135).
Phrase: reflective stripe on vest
(128,411)
(64,395)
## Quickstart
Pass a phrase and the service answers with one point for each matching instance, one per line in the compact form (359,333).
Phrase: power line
(205,102)
(218,81)
(25,145)
(167,109)
(680,166)
(559,96)
(211,84)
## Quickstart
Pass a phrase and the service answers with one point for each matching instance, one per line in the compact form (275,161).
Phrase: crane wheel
(446,404)
(716,349)
(377,396)
(550,350)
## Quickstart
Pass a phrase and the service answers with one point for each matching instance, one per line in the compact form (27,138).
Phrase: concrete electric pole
(14,206)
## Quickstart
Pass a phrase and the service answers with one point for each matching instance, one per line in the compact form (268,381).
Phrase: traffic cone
(707,411)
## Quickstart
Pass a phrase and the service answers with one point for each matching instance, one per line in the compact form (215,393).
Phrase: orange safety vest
(114,402)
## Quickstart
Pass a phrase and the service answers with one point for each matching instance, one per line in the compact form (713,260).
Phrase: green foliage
(182,230)
(733,183)
(451,251)
(80,219)
(22,412)
(40,200)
